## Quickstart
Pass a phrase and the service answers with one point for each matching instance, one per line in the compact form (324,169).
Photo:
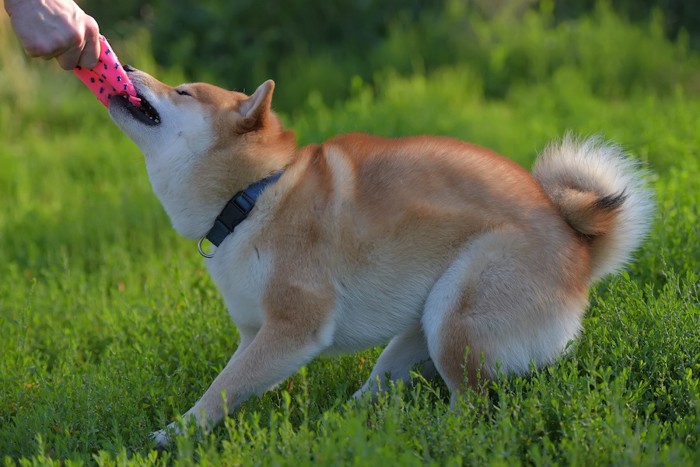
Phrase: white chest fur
(241,273)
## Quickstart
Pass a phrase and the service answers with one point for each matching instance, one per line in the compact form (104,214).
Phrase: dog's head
(202,144)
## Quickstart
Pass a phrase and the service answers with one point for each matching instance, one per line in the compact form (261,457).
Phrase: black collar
(235,212)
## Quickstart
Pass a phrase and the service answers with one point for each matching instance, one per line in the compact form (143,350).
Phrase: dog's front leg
(276,352)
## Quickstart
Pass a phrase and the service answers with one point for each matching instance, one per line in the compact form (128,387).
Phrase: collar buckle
(235,212)
(201,250)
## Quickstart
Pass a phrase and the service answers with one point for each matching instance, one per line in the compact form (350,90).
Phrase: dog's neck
(194,188)
(236,211)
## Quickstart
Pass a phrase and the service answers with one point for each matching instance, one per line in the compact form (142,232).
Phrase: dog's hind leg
(505,302)
(403,353)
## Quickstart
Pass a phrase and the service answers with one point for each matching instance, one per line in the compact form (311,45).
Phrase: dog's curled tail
(601,193)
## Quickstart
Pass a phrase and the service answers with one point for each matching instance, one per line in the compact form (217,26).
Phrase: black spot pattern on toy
(107,76)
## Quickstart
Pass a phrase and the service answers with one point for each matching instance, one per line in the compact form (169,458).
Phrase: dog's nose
(128,67)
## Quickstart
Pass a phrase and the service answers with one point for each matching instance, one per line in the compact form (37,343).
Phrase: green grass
(111,327)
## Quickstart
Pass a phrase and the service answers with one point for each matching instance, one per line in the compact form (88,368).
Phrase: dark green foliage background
(239,44)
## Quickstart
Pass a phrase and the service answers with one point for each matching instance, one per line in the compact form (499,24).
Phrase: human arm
(55,29)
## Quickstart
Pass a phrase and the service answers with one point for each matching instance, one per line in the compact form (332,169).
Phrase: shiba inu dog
(461,260)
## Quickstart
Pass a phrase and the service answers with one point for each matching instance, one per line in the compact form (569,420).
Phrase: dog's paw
(162,439)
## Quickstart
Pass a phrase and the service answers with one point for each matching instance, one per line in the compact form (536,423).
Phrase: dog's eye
(182,92)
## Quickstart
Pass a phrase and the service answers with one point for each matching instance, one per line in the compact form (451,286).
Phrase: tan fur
(443,247)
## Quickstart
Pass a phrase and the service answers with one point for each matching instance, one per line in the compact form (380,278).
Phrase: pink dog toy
(108,78)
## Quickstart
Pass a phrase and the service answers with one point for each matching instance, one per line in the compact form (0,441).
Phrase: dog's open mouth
(145,114)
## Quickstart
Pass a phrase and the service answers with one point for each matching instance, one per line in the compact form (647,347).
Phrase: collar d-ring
(201,250)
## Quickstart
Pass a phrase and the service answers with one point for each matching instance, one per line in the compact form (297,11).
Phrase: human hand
(56,29)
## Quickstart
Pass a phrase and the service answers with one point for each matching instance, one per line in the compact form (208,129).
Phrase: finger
(65,49)
(69,59)
(46,49)
(91,50)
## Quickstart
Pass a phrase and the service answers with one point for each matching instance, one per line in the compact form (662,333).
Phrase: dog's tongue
(108,78)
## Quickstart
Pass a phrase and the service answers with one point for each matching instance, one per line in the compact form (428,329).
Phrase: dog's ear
(256,108)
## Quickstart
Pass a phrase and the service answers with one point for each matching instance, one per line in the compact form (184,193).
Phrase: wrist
(11,4)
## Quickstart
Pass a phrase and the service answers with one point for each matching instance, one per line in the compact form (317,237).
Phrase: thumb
(91,48)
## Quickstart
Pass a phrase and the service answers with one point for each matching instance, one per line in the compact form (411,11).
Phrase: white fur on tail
(601,193)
